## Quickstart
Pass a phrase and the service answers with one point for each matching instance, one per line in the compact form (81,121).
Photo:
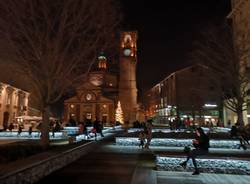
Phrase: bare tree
(55,42)
(217,49)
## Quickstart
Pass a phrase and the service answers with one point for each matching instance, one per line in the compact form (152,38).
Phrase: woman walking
(201,144)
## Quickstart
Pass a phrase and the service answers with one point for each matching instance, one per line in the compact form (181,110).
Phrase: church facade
(98,96)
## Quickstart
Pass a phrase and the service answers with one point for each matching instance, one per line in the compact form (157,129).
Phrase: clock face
(127,52)
(88,96)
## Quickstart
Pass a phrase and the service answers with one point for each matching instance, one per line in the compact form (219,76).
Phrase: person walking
(19,129)
(141,139)
(85,131)
(247,133)
(201,144)
(81,128)
(97,128)
(11,127)
(30,131)
(229,123)
(239,133)
(101,128)
(149,127)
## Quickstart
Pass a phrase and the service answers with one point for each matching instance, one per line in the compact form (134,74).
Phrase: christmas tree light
(119,113)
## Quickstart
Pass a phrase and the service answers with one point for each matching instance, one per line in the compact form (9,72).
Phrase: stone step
(173,142)
(167,150)
(208,165)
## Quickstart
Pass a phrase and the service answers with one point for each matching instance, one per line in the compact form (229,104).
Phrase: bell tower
(127,81)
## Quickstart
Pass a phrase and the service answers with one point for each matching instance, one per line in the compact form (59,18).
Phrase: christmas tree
(119,113)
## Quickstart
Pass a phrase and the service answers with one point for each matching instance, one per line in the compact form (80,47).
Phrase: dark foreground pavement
(105,165)
(113,164)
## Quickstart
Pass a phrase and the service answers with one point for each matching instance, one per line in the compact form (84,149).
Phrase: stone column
(78,113)
(108,114)
(1,104)
(245,118)
(26,103)
(66,113)
(15,103)
(81,113)
(9,105)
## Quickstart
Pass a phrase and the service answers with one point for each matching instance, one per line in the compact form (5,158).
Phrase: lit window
(8,99)
(88,115)
(127,39)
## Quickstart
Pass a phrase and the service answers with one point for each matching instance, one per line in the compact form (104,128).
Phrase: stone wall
(33,173)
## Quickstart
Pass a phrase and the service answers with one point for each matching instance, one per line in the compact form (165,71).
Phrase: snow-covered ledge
(133,141)
(226,166)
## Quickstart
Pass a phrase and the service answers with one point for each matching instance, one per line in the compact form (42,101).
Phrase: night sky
(166,31)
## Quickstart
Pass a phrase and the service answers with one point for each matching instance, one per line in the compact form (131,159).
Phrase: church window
(102,64)
(88,116)
(127,38)
(8,99)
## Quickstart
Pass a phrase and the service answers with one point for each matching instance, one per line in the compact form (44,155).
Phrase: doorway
(6,116)
(104,119)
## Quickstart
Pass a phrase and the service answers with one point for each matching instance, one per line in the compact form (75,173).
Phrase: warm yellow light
(102,64)
(119,113)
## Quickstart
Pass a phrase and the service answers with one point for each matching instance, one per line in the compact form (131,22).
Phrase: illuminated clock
(127,52)
(88,97)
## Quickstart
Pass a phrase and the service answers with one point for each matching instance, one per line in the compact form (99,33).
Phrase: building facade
(184,93)
(241,31)
(13,103)
(241,27)
(98,97)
